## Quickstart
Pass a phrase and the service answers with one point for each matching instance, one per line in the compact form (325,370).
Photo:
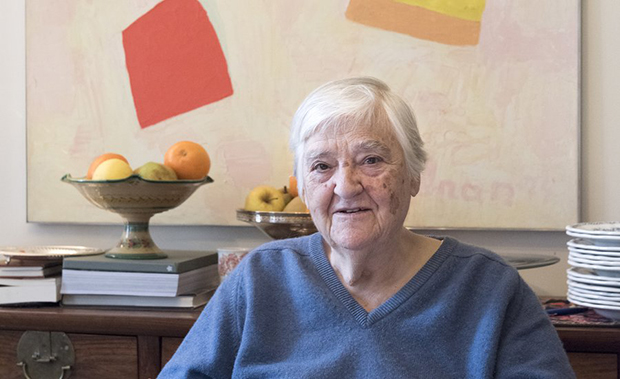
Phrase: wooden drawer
(96,356)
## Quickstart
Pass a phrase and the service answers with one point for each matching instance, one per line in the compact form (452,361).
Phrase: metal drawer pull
(45,355)
(25,370)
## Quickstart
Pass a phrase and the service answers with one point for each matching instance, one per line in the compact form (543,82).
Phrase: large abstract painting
(494,85)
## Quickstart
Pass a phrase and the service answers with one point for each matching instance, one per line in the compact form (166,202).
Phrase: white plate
(595,257)
(590,304)
(611,314)
(598,253)
(598,228)
(595,295)
(599,240)
(593,261)
(602,270)
(586,276)
(47,252)
(615,304)
(586,286)
(581,243)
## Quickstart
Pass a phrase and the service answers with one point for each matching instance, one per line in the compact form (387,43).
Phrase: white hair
(344,104)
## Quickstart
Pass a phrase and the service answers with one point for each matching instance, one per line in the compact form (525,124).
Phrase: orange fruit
(292,186)
(100,159)
(188,159)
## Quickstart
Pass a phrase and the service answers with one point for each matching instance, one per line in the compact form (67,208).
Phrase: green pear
(156,171)
(286,194)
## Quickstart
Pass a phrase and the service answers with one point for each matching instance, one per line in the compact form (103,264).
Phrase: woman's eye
(372,160)
(320,167)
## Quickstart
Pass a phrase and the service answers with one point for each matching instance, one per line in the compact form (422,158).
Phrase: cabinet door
(168,347)
(8,355)
(594,365)
(96,356)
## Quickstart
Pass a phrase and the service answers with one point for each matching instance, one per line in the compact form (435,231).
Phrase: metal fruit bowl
(136,200)
(279,225)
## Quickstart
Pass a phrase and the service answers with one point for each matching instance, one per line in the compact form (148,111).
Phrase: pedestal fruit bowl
(279,225)
(136,200)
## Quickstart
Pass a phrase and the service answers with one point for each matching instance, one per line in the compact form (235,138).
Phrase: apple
(112,169)
(155,171)
(102,158)
(296,205)
(265,198)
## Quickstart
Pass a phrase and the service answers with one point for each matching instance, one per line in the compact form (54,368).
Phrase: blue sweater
(283,313)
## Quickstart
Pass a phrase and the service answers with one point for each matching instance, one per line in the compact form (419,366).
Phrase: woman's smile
(351,215)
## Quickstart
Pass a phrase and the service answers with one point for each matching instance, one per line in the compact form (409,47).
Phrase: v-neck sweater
(283,313)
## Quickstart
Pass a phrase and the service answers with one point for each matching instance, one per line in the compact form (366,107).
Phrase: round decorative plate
(597,228)
(47,252)
(525,261)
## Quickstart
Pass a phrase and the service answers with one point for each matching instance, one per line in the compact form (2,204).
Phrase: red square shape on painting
(175,61)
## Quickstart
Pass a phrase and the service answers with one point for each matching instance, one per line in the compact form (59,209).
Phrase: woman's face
(356,186)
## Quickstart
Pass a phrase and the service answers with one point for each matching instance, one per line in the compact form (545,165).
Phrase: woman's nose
(347,182)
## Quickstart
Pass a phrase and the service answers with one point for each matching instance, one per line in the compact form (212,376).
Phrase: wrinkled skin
(357,188)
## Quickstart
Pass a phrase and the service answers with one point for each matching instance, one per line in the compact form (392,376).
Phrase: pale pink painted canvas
(494,85)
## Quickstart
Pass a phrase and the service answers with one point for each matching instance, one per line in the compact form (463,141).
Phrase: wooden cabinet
(114,343)
(107,343)
(594,352)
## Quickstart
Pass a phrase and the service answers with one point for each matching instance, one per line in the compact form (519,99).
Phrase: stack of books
(30,280)
(185,279)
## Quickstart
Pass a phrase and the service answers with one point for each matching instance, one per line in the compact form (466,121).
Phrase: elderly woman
(366,297)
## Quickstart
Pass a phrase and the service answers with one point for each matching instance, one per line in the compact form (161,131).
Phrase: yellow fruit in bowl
(296,205)
(100,159)
(287,195)
(265,199)
(112,169)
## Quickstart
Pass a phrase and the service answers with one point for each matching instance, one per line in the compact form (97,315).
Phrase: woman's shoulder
(299,245)
(475,254)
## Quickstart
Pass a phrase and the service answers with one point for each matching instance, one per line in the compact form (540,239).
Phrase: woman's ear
(415,186)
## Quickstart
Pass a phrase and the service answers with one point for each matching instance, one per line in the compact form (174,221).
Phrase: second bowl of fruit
(278,213)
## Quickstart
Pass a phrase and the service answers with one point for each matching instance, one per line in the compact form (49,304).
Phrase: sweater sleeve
(529,346)
(210,348)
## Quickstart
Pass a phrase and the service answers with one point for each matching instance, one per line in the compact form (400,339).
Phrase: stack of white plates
(594,278)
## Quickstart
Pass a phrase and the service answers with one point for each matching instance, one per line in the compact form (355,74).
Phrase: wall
(600,182)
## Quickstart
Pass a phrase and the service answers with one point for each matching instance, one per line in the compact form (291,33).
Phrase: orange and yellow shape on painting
(452,22)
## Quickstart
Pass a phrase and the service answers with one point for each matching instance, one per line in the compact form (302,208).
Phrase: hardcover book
(29,271)
(17,291)
(97,282)
(177,262)
(182,301)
